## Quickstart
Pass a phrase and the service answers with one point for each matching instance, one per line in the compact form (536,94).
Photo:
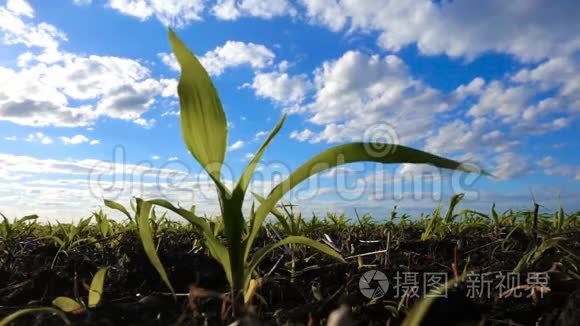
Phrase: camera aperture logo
(373,284)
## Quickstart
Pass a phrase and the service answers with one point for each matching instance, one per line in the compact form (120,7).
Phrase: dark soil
(135,295)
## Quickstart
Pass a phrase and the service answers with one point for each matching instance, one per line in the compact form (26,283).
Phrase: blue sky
(88,106)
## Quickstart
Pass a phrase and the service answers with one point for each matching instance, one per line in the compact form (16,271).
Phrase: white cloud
(44,186)
(11,138)
(236,145)
(301,135)
(248,156)
(511,165)
(76,139)
(460,136)
(169,60)
(260,134)
(533,100)
(176,13)
(39,137)
(235,53)
(280,87)
(94,142)
(358,93)
(147,124)
(546,162)
(155,157)
(231,9)
(527,30)
(20,7)
(39,94)
(17,29)
(230,55)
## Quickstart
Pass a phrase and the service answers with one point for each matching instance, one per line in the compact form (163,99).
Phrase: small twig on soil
(481,247)
(387,254)
(368,254)
(274,267)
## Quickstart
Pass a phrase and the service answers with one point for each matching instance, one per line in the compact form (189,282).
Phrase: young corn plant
(63,305)
(204,131)
(68,236)
(18,227)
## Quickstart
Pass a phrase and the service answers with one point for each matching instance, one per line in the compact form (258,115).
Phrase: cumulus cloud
(17,27)
(232,9)
(301,135)
(529,31)
(176,13)
(281,87)
(39,137)
(511,165)
(236,145)
(260,134)
(40,91)
(357,92)
(235,53)
(229,55)
(78,139)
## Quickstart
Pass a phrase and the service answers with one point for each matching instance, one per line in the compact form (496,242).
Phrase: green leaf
(67,304)
(242,185)
(218,251)
(349,153)
(28,218)
(22,312)
(452,203)
(276,213)
(203,121)
(119,207)
(97,285)
(261,254)
(494,215)
(149,243)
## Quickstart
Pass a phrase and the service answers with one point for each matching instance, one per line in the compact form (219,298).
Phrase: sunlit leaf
(344,154)
(261,254)
(218,251)
(452,203)
(149,243)
(97,285)
(67,304)
(203,121)
(119,207)
(242,185)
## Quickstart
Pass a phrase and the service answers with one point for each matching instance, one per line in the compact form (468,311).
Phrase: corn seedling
(204,131)
(18,227)
(68,236)
(65,304)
